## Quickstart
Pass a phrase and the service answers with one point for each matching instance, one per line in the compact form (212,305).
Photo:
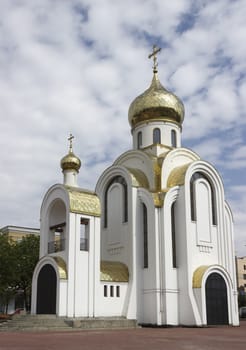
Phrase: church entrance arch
(46,290)
(216,300)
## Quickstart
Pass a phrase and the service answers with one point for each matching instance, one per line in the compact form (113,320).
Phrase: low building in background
(16,233)
(241,280)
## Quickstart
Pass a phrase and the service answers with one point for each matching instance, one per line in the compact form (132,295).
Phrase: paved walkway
(212,338)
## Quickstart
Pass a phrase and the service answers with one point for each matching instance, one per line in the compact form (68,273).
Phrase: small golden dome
(70,161)
(156,104)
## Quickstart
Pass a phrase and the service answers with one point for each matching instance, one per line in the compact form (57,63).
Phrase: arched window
(173,229)
(120,180)
(156,135)
(145,237)
(140,141)
(174,138)
(194,178)
(57,227)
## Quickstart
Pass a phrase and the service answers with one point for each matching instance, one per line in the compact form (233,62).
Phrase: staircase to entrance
(52,322)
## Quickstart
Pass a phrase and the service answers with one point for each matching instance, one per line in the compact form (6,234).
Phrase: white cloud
(238,205)
(75,66)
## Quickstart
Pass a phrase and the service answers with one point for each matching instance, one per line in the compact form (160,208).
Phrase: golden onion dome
(70,161)
(156,104)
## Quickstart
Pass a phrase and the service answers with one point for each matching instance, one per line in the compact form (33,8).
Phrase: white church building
(153,242)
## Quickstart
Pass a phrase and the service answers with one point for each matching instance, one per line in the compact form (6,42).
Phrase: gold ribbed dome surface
(70,162)
(156,103)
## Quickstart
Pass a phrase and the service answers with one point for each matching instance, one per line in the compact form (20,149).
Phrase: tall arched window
(156,135)
(140,141)
(194,178)
(145,237)
(120,180)
(57,227)
(173,229)
(174,138)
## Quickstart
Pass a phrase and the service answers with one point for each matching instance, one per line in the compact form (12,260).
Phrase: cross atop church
(153,54)
(70,139)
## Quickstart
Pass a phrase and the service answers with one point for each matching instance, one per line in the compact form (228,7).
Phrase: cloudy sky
(76,65)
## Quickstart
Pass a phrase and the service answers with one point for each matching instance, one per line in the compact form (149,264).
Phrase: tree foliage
(17,263)
(7,271)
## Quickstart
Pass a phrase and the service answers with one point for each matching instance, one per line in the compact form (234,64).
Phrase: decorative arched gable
(175,165)
(141,161)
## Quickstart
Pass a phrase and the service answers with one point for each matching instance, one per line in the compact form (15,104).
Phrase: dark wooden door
(216,300)
(46,290)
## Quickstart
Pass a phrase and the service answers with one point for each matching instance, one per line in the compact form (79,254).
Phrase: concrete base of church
(52,322)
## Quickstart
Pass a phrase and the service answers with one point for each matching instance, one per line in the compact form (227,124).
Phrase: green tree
(17,263)
(7,272)
(26,258)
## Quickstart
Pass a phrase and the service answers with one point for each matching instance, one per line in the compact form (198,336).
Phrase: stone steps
(52,322)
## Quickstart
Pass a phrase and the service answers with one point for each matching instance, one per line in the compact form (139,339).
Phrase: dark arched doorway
(46,290)
(216,300)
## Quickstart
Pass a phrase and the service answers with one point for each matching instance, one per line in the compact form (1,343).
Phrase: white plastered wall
(108,306)
(218,251)
(122,248)
(148,278)
(169,273)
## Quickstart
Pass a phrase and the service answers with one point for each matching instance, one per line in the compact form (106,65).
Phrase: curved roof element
(114,271)
(198,275)
(62,267)
(84,202)
(177,176)
(156,104)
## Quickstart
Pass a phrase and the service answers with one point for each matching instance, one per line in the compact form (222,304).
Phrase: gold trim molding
(114,271)
(198,275)
(177,176)
(84,202)
(62,267)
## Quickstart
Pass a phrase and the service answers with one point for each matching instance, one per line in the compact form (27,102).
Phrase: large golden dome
(156,104)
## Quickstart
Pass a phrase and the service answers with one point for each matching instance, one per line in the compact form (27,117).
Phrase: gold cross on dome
(70,139)
(153,54)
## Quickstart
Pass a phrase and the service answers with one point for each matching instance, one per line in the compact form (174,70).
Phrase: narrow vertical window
(140,141)
(145,237)
(118,179)
(84,234)
(111,291)
(105,291)
(174,257)
(156,135)
(192,200)
(117,291)
(174,138)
